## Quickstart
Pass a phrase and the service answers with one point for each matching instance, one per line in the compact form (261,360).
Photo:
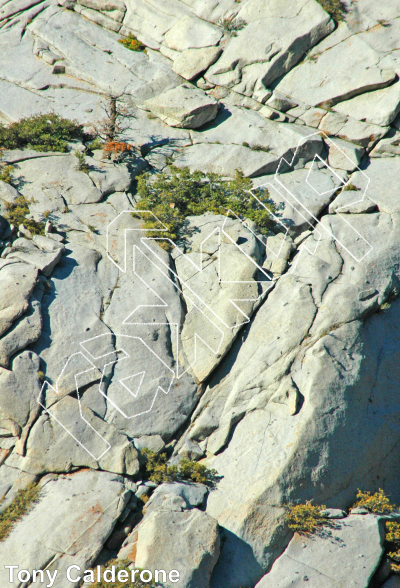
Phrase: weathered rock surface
(222,282)
(272,42)
(346,554)
(187,540)
(17,283)
(190,32)
(192,62)
(186,107)
(300,401)
(85,505)
(354,68)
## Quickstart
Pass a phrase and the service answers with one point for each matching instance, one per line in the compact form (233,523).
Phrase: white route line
(199,301)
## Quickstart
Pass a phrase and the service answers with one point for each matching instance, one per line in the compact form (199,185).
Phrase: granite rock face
(271,356)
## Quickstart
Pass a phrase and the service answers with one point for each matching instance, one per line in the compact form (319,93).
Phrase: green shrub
(17,215)
(231,25)
(173,198)
(335,8)
(393,538)
(81,164)
(97,143)
(158,470)
(377,503)
(5,173)
(130,42)
(350,187)
(196,472)
(21,504)
(41,132)
(305,518)
(119,566)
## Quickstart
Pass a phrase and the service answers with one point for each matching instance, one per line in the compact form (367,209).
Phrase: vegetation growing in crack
(81,164)
(350,187)
(377,503)
(108,130)
(158,470)
(17,215)
(231,25)
(337,9)
(305,519)
(121,565)
(172,198)
(41,132)
(21,504)
(393,541)
(5,170)
(264,148)
(132,43)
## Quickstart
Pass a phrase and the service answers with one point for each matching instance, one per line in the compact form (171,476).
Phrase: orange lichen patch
(4,453)
(131,553)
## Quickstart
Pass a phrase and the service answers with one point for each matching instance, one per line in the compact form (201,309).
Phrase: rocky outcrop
(346,553)
(85,505)
(272,357)
(175,535)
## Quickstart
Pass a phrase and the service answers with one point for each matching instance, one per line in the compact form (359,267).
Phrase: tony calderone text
(74,574)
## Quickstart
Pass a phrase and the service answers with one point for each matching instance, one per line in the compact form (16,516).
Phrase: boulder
(58,175)
(24,331)
(352,130)
(7,193)
(186,107)
(43,258)
(83,508)
(17,280)
(111,67)
(348,553)
(19,391)
(388,146)
(192,62)
(190,495)
(299,197)
(344,155)
(187,541)
(108,177)
(380,189)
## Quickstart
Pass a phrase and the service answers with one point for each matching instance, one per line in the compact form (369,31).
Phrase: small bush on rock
(377,503)
(81,164)
(172,198)
(335,8)
(159,471)
(42,132)
(130,42)
(17,215)
(196,472)
(305,518)
(231,25)
(393,538)
(120,565)
(21,504)
(157,468)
